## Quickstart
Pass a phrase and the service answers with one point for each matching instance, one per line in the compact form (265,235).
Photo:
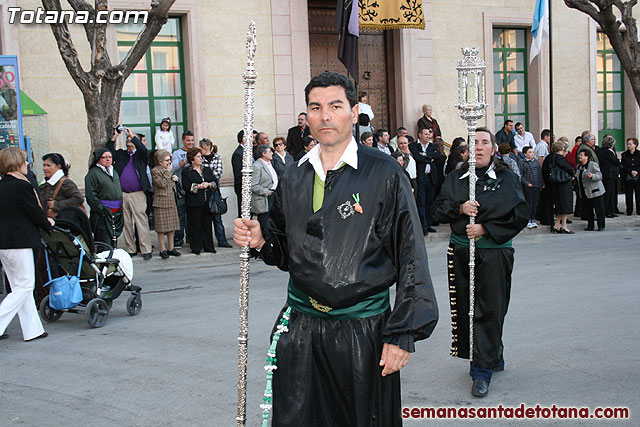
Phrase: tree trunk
(101,86)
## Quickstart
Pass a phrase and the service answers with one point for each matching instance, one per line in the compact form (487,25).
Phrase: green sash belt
(483,242)
(368,307)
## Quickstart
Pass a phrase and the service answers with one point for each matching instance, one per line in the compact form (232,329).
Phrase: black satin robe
(328,366)
(503,214)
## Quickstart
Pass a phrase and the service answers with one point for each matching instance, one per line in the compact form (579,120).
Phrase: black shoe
(178,243)
(435,223)
(226,245)
(147,257)
(569,221)
(196,252)
(600,228)
(132,254)
(4,336)
(479,388)
(425,233)
(164,254)
(498,368)
(610,216)
(43,335)
(210,251)
(556,230)
(173,252)
(431,230)
(563,231)
(588,229)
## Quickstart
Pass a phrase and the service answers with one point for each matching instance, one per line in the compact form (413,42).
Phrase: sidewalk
(231,255)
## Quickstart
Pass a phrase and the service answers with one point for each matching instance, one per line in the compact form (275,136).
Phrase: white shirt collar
(349,157)
(55,177)
(107,171)
(490,172)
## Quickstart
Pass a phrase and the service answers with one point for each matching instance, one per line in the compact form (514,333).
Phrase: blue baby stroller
(104,272)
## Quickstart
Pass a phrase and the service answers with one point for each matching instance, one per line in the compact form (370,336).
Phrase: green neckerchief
(303,303)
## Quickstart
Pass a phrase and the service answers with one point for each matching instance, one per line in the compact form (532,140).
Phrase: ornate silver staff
(249,77)
(471,107)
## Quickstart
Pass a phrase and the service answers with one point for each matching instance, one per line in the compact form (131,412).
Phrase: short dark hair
(518,124)
(307,140)
(491,135)
(400,129)
(506,122)
(187,133)
(192,153)
(240,136)
(303,114)
(526,149)
(328,79)
(380,131)
(58,160)
(586,152)
(504,148)
(545,133)
(361,94)
(363,119)
(365,135)
(578,139)
(261,150)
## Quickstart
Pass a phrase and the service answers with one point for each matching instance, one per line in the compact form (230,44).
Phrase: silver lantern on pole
(471,105)
(249,77)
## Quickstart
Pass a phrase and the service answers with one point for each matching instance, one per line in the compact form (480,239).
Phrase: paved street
(571,338)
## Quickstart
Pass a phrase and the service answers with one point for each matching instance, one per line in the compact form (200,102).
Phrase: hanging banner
(391,14)
(10,104)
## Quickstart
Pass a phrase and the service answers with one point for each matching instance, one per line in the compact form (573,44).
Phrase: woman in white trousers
(21,217)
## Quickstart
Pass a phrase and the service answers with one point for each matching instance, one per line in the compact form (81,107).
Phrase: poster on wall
(10,108)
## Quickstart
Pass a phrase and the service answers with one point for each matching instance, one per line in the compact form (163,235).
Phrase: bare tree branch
(627,48)
(83,6)
(158,16)
(67,49)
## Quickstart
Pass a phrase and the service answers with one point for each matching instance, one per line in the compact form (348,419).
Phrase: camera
(119,128)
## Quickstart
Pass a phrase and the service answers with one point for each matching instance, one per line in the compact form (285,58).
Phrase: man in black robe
(345,226)
(501,213)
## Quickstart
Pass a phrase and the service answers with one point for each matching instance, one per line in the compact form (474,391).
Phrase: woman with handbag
(591,188)
(197,181)
(631,174)
(21,218)
(57,191)
(557,174)
(212,160)
(164,202)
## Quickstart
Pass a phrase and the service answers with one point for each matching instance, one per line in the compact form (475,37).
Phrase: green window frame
(510,76)
(156,87)
(610,87)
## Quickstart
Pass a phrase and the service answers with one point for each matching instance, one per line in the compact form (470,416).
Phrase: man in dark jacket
(131,165)
(425,153)
(295,135)
(610,168)
(506,135)
(236,165)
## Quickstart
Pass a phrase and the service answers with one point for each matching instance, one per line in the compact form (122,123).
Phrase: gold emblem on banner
(390,14)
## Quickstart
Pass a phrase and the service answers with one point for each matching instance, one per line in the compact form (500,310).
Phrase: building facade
(193,71)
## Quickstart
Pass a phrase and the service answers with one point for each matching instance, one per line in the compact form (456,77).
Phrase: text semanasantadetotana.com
(518,412)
